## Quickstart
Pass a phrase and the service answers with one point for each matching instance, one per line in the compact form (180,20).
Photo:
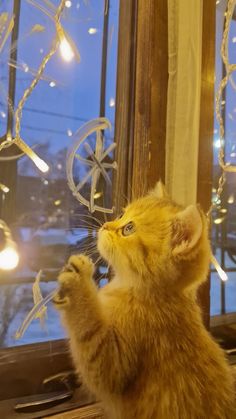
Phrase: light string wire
(225,167)
(6,25)
(18,114)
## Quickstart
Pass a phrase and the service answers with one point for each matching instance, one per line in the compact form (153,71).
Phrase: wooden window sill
(94,411)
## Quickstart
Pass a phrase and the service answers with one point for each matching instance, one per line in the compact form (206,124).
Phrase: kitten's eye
(128,229)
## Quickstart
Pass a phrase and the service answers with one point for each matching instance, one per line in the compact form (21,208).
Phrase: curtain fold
(183,103)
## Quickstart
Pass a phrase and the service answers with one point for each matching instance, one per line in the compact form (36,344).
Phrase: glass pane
(49,223)
(223,293)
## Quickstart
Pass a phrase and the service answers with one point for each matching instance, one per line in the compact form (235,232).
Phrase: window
(48,221)
(223,293)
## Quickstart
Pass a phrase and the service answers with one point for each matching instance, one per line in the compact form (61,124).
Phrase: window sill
(89,412)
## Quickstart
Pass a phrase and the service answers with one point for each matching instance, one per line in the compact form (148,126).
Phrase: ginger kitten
(139,343)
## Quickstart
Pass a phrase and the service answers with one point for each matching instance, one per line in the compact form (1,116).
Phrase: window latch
(58,389)
(63,380)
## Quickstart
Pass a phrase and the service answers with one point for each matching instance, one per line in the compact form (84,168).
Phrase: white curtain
(183,106)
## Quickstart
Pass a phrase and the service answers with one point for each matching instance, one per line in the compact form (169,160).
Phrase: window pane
(223,294)
(49,223)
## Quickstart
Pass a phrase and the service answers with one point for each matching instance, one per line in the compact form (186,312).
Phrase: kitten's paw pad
(82,264)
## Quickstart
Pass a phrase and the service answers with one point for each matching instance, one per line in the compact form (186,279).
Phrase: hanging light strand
(18,114)
(229,68)
(68,51)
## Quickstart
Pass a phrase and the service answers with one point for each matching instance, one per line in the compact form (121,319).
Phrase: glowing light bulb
(69,133)
(222,274)
(231,199)
(92,31)
(68,3)
(219,220)
(26,68)
(67,47)
(4,188)
(97,195)
(3,114)
(217,143)
(9,258)
(52,84)
(41,165)
(66,50)
(112,102)
(234,40)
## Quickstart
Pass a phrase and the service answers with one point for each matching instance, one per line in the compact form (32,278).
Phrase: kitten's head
(158,239)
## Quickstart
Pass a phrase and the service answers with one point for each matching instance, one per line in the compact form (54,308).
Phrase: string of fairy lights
(68,50)
(226,167)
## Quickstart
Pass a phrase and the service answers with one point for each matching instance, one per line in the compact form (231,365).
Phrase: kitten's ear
(159,190)
(186,230)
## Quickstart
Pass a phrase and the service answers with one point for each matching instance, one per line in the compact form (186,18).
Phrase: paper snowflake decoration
(94,164)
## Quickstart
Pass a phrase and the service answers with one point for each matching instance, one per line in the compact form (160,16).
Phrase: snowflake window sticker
(94,165)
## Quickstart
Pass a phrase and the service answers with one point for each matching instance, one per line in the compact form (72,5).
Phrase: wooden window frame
(151,102)
(205,151)
(140,127)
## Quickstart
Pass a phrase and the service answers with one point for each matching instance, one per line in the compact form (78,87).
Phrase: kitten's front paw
(82,264)
(79,267)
